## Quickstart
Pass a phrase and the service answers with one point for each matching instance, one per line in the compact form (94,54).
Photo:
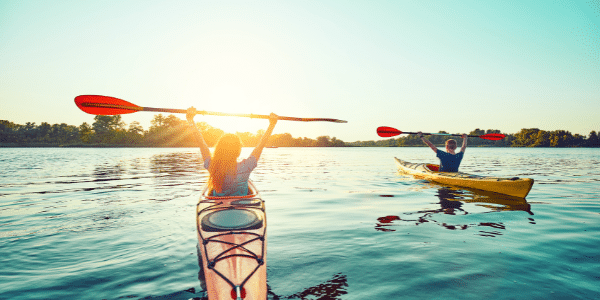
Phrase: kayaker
(228,177)
(449,160)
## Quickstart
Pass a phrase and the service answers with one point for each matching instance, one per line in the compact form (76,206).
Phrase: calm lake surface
(342,224)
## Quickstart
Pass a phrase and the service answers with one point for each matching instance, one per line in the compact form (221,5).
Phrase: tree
(86,133)
(171,131)
(475,141)
(211,134)
(323,141)
(593,140)
(336,143)
(281,140)
(542,139)
(578,140)
(106,128)
(29,132)
(44,132)
(409,140)
(8,132)
(561,138)
(305,142)
(63,134)
(525,137)
(248,139)
(135,134)
(157,121)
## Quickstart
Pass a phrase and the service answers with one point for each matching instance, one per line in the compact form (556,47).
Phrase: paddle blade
(384,131)
(493,136)
(104,105)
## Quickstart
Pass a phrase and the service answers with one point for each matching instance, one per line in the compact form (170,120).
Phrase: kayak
(232,244)
(515,186)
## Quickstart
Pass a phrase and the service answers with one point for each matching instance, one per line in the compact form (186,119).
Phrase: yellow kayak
(515,186)
(232,242)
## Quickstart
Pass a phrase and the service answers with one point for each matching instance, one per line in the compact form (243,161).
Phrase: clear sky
(413,65)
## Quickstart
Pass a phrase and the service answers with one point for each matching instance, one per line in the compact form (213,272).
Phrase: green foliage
(168,131)
(86,133)
(108,129)
(527,137)
(8,132)
(593,140)
(15,134)
(171,131)
(534,137)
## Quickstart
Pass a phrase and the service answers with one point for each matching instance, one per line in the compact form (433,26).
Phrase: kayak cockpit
(432,167)
(237,217)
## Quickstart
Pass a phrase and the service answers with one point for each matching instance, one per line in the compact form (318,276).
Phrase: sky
(422,65)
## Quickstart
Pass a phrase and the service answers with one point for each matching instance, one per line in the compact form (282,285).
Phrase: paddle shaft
(447,134)
(385,131)
(203,112)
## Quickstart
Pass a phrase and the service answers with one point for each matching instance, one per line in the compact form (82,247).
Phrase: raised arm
(464,145)
(433,147)
(204,150)
(263,141)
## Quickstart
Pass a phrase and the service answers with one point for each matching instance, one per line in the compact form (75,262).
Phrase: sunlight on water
(343,224)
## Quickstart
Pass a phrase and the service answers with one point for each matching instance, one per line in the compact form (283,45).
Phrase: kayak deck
(515,186)
(232,243)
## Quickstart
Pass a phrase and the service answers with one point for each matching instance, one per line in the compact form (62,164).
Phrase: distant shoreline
(42,145)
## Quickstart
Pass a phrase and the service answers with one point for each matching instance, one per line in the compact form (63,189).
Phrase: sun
(228,98)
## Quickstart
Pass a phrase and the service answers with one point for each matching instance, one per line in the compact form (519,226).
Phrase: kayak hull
(516,187)
(232,244)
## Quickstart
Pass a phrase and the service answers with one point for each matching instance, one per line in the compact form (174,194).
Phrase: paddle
(104,105)
(384,131)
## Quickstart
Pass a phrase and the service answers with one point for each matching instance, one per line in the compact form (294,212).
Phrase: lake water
(343,224)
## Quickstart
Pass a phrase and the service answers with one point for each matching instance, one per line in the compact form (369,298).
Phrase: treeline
(111,131)
(531,137)
(170,131)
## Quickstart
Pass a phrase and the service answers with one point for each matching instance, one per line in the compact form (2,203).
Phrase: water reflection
(176,164)
(175,174)
(455,201)
(181,295)
(490,200)
(108,171)
(331,289)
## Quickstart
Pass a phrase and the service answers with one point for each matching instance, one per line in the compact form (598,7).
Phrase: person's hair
(223,163)
(451,144)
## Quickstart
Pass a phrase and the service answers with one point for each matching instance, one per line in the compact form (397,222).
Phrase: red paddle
(104,105)
(384,131)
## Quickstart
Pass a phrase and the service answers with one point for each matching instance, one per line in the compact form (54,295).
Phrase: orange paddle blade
(492,136)
(385,131)
(105,105)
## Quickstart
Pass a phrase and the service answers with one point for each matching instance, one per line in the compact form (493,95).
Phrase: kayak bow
(515,186)
(232,242)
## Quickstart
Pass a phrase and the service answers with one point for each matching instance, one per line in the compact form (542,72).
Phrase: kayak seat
(231,219)
(432,167)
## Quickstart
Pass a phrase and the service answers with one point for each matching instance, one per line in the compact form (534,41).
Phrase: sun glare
(232,99)
(236,74)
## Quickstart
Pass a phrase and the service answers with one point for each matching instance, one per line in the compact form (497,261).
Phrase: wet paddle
(105,105)
(385,131)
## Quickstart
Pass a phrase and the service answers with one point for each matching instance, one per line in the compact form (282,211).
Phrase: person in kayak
(449,160)
(228,177)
